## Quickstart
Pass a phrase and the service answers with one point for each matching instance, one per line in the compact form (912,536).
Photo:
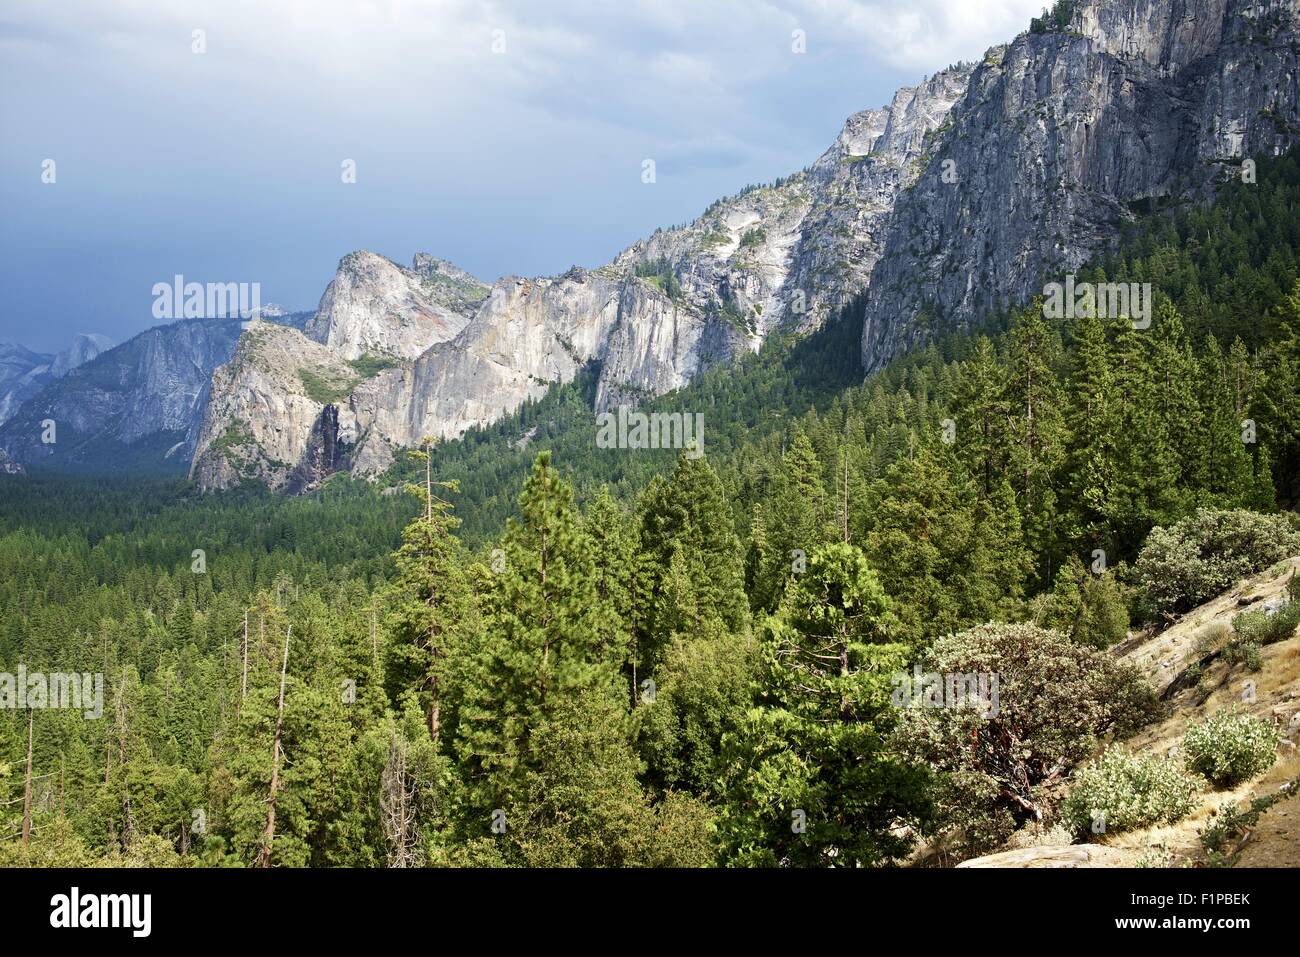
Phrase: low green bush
(1261,628)
(1123,791)
(1197,558)
(1229,747)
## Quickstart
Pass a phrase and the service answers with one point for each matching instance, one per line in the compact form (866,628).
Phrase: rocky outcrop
(796,250)
(264,415)
(1051,856)
(8,466)
(529,335)
(374,307)
(1060,134)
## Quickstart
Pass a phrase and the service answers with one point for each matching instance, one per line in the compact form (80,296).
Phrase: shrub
(1103,616)
(370,365)
(323,388)
(1261,628)
(1229,747)
(1230,822)
(1246,653)
(1124,791)
(1195,559)
(1055,700)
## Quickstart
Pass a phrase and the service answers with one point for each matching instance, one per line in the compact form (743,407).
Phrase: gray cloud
(225,165)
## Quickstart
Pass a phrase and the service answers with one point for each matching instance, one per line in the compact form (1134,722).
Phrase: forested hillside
(642,659)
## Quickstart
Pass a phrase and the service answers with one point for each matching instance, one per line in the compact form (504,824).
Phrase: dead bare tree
(122,730)
(397,805)
(27,781)
(268,836)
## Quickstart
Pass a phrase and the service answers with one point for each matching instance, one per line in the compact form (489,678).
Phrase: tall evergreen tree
(428,602)
(543,643)
(814,784)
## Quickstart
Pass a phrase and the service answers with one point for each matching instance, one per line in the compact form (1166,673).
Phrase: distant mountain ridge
(665,309)
(959,196)
(131,407)
(23,372)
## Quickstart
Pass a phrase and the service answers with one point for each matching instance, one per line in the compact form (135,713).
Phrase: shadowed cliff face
(1059,132)
(322,458)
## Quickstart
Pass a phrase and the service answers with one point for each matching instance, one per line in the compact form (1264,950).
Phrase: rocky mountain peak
(957,193)
(374,307)
(85,346)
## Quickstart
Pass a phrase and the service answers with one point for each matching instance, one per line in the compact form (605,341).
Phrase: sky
(506,137)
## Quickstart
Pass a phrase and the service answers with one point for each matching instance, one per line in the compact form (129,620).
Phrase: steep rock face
(323,456)
(794,251)
(1059,132)
(265,410)
(375,307)
(528,335)
(657,345)
(135,405)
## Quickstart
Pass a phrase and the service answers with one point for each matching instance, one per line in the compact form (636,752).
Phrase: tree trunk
(268,837)
(27,782)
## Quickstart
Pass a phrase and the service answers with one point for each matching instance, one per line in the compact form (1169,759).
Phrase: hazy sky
(225,166)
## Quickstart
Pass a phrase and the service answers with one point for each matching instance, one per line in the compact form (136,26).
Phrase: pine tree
(429,599)
(1275,404)
(1224,466)
(926,544)
(689,511)
(1037,430)
(980,417)
(814,785)
(544,643)
(614,551)
(1092,425)
(1147,468)
(798,515)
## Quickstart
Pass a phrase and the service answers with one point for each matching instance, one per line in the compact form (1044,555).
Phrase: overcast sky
(225,166)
